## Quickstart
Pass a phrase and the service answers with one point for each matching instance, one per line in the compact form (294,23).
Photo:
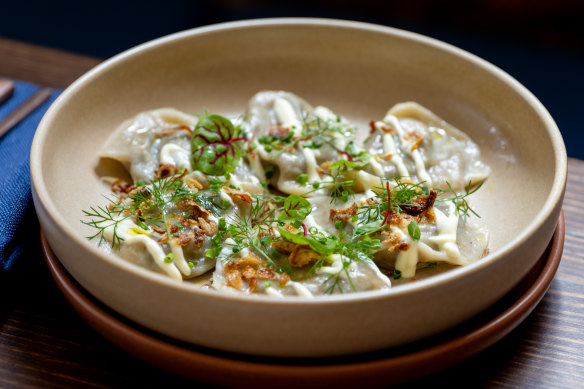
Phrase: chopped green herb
(345,196)
(302,179)
(414,230)
(169,258)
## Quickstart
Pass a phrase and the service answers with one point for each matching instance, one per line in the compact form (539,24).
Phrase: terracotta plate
(366,370)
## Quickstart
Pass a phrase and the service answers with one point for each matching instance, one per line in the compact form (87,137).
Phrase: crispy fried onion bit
(122,189)
(278,131)
(238,196)
(421,204)
(167,170)
(420,210)
(251,269)
(300,255)
(393,240)
(198,223)
(343,215)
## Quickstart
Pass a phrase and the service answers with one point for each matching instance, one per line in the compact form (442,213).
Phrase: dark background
(540,43)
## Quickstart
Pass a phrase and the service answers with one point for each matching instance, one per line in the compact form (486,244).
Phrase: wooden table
(44,343)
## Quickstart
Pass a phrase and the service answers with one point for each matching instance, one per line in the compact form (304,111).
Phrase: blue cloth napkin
(19,231)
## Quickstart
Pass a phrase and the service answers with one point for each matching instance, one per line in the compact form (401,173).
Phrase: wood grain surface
(42,65)
(45,344)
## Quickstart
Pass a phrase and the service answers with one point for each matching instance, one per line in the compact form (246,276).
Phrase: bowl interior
(357,70)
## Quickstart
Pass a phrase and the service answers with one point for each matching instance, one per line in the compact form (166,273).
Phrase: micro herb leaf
(314,244)
(292,237)
(414,230)
(367,229)
(366,246)
(214,146)
(358,162)
(295,208)
(343,164)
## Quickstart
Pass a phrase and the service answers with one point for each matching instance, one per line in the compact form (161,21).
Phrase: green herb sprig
(352,248)
(101,219)
(401,194)
(461,205)
(148,206)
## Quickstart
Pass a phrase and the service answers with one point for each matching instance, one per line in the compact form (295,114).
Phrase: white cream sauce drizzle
(335,267)
(415,154)
(179,258)
(287,117)
(300,289)
(248,183)
(132,233)
(406,260)
(273,292)
(389,149)
(256,166)
(446,240)
(326,115)
(224,196)
(368,181)
(310,158)
(173,154)
(376,166)
(310,222)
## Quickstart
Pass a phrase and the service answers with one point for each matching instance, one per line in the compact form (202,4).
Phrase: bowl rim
(553,199)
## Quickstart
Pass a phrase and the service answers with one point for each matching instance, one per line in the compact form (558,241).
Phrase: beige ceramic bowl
(358,70)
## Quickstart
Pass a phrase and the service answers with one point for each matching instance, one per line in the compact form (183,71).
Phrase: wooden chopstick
(23,110)
(6,89)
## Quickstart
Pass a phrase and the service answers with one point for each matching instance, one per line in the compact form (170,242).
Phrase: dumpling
(309,209)
(444,238)
(248,274)
(293,138)
(151,138)
(413,142)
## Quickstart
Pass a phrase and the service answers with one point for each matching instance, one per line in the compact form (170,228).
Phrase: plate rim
(223,368)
